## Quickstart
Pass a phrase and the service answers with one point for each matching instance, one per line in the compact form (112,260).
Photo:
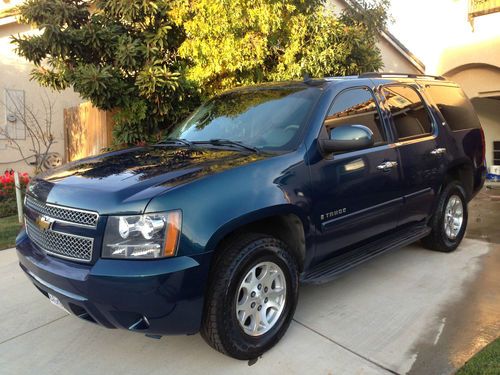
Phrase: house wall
(15,75)
(394,61)
(478,80)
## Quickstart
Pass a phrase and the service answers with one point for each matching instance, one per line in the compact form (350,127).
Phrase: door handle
(387,165)
(438,151)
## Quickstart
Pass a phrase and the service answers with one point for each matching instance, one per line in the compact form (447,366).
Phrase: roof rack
(400,75)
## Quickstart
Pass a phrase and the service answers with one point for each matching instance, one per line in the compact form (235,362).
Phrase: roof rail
(400,75)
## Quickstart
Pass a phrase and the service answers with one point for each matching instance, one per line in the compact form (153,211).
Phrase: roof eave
(393,41)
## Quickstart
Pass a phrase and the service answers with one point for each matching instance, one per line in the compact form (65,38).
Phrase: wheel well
(465,175)
(287,228)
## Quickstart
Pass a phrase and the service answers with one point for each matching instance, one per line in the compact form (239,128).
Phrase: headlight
(142,236)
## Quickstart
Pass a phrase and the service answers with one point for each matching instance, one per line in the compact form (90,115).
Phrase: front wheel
(252,296)
(449,221)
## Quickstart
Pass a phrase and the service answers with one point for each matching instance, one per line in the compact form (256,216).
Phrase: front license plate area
(55,301)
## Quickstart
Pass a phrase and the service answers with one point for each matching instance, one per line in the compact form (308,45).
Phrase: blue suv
(262,188)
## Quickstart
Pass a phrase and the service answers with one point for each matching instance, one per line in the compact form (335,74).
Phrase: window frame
(432,120)
(380,110)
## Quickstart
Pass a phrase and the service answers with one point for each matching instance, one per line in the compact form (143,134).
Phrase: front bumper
(152,296)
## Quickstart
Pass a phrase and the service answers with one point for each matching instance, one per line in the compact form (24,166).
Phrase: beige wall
(14,75)
(480,51)
(477,80)
(394,61)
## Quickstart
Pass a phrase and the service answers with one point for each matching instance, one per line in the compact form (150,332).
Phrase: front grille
(60,244)
(70,215)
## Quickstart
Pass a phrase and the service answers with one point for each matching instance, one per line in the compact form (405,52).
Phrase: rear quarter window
(456,108)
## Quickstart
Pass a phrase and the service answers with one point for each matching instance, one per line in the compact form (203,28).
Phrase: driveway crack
(33,329)
(346,348)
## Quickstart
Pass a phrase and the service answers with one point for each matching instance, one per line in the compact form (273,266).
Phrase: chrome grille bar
(60,244)
(65,214)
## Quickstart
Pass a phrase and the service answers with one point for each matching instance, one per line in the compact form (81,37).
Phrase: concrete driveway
(410,310)
(407,311)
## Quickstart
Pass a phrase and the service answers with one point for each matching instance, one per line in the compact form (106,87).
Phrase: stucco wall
(482,51)
(393,60)
(14,75)
(477,80)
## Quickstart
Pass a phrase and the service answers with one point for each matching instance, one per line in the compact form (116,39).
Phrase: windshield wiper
(228,142)
(176,141)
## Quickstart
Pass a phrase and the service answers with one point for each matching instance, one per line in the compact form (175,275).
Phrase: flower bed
(8,192)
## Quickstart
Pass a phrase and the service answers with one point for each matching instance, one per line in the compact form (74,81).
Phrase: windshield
(265,118)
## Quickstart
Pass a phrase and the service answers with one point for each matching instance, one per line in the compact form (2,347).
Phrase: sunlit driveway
(408,310)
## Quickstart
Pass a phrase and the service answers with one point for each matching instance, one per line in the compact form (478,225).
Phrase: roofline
(394,42)
(7,20)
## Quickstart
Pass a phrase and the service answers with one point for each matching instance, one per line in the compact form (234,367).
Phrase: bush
(8,192)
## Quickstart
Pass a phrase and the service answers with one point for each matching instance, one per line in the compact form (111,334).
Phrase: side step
(334,267)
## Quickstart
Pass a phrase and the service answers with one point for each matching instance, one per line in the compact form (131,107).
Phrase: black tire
(438,240)
(220,326)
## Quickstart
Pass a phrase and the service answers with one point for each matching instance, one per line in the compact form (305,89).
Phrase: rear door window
(456,108)
(409,113)
(356,106)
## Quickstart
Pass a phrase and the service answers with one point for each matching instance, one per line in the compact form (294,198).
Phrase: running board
(334,267)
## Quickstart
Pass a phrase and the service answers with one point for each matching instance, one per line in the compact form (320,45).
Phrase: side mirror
(347,138)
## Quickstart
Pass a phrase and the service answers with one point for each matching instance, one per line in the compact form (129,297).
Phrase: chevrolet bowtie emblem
(44,222)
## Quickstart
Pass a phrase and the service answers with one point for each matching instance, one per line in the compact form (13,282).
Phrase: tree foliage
(117,54)
(234,42)
(154,60)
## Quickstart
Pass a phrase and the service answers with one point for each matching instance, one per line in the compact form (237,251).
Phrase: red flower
(7,182)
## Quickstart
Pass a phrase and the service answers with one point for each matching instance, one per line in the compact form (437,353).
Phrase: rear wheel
(252,296)
(449,221)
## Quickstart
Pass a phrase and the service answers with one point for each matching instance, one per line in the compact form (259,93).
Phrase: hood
(125,181)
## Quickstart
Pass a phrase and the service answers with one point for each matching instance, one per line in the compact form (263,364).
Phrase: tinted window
(356,107)
(410,115)
(268,118)
(455,107)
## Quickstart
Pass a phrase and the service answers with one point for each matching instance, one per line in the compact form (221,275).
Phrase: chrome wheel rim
(453,217)
(261,298)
